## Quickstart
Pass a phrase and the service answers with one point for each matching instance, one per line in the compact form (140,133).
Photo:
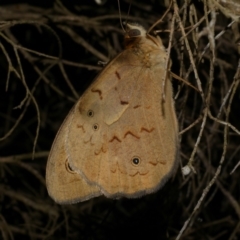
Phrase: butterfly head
(134,30)
(134,33)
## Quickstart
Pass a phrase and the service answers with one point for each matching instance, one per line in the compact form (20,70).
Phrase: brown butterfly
(120,139)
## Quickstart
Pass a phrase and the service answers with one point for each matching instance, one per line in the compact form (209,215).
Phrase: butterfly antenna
(129,8)
(120,16)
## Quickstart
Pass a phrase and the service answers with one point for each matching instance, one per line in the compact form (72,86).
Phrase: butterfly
(121,138)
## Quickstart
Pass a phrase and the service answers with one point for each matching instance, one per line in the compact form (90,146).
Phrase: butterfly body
(121,138)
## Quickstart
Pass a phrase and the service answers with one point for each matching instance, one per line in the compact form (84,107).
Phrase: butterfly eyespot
(136,161)
(95,127)
(90,113)
(68,167)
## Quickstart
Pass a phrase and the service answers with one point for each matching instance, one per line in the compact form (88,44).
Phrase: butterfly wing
(122,137)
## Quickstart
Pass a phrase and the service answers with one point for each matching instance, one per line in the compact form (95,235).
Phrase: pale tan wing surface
(121,135)
(64,185)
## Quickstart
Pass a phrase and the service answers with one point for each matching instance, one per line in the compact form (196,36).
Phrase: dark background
(82,33)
